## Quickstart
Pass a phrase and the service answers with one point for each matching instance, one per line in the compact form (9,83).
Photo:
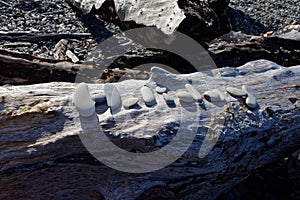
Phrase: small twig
(53,12)
(32,69)
(4,3)
(27,37)
(17,44)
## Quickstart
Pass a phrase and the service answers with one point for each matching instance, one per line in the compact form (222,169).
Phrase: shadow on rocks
(241,21)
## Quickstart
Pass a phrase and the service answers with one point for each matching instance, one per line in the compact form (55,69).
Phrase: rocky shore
(35,32)
(258,17)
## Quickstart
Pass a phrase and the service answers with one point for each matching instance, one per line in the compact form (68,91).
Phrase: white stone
(213,95)
(168,98)
(99,98)
(72,56)
(128,103)
(113,97)
(194,92)
(251,101)
(235,92)
(83,100)
(245,89)
(160,90)
(185,96)
(148,96)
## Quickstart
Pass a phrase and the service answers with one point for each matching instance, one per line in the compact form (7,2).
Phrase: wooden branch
(4,3)
(36,37)
(42,156)
(18,68)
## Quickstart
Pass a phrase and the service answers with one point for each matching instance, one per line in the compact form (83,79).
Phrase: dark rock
(205,20)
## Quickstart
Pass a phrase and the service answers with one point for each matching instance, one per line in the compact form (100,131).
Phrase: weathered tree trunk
(17,68)
(42,156)
(235,49)
(209,18)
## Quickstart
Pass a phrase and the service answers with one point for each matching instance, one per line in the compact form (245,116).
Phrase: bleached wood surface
(164,14)
(42,156)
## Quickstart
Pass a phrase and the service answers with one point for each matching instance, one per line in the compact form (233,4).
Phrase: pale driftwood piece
(59,50)
(164,14)
(42,156)
(209,18)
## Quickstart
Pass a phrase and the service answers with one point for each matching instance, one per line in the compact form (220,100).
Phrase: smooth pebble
(83,100)
(168,98)
(213,95)
(185,96)
(250,100)
(148,96)
(194,92)
(245,89)
(113,97)
(235,92)
(160,90)
(130,102)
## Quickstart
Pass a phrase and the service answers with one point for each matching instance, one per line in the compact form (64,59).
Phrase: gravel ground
(256,17)
(39,16)
(51,16)
(56,16)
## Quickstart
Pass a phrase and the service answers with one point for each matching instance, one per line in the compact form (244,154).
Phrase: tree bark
(43,157)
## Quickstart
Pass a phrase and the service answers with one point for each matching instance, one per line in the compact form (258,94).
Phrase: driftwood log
(233,49)
(18,68)
(210,18)
(165,15)
(42,156)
